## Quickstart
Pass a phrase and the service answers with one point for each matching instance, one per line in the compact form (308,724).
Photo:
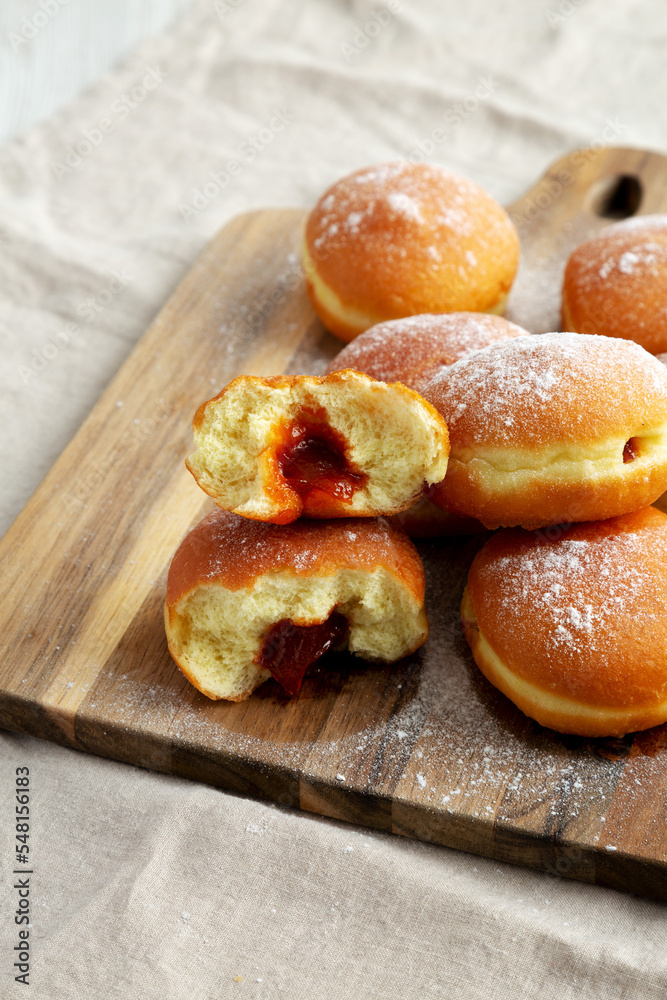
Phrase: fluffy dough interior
(392,436)
(215,633)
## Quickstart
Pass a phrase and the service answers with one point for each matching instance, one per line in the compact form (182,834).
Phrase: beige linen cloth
(153,887)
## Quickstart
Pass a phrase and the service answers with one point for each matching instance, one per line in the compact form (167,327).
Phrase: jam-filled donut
(273,449)
(401,239)
(616,283)
(247,601)
(552,428)
(574,630)
(413,349)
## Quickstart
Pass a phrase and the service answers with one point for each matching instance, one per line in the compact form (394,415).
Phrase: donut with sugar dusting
(552,428)
(615,284)
(247,601)
(574,629)
(413,349)
(400,239)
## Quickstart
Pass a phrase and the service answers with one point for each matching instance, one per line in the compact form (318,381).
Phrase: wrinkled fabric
(151,886)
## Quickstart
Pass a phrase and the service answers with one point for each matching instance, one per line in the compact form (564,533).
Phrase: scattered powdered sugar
(436,209)
(476,754)
(410,349)
(354,219)
(629,260)
(404,205)
(239,549)
(645,257)
(655,222)
(508,392)
(582,590)
(450,733)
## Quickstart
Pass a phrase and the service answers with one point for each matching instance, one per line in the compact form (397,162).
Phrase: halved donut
(247,601)
(273,449)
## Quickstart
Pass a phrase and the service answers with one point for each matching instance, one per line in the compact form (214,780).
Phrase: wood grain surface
(425,748)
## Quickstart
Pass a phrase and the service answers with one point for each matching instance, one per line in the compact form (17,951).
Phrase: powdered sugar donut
(401,239)
(413,349)
(615,284)
(552,428)
(574,630)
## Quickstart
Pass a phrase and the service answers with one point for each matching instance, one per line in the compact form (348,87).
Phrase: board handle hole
(620,197)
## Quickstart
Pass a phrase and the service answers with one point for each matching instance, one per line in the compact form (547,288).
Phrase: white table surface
(49,54)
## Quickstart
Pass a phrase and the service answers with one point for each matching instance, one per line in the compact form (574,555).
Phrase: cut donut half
(273,449)
(247,601)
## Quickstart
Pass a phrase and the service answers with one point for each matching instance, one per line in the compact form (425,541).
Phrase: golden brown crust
(615,284)
(233,552)
(553,387)
(571,624)
(400,239)
(535,423)
(413,349)
(369,404)
(538,504)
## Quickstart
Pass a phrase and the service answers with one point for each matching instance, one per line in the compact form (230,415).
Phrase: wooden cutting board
(425,748)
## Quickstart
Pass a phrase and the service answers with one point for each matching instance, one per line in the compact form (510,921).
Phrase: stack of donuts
(439,417)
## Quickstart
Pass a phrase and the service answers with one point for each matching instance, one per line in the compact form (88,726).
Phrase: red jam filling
(631,450)
(288,650)
(312,457)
